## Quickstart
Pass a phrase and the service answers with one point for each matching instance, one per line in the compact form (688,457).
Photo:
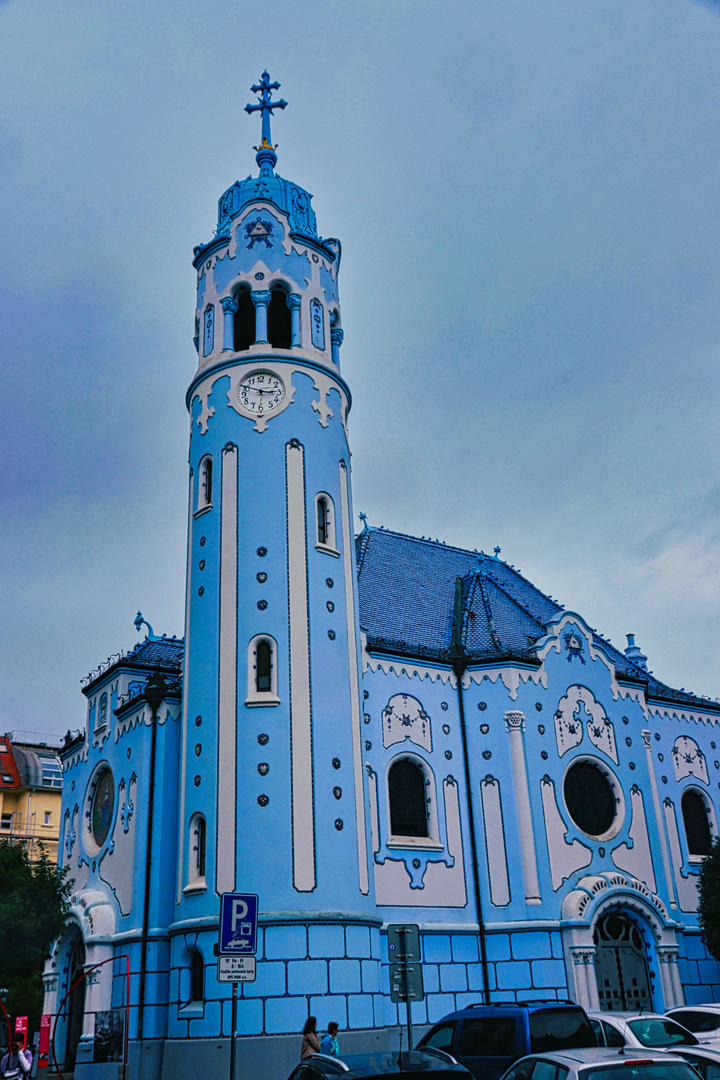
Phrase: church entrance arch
(75,1003)
(621,966)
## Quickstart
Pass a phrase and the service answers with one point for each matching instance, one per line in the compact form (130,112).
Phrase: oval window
(103,805)
(590,798)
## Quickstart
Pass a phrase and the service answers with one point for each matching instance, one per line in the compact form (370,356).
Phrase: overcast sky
(527,195)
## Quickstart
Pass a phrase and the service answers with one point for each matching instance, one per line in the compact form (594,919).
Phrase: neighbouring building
(31,791)
(361,730)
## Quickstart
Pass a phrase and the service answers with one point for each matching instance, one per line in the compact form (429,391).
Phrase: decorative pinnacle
(265,107)
(497,551)
(139,621)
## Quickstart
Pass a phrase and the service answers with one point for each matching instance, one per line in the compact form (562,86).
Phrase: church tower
(272,789)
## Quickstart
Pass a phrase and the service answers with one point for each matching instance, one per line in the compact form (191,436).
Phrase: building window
(697,823)
(407,799)
(6,821)
(197,977)
(208,330)
(244,322)
(325,521)
(263,667)
(593,798)
(198,839)
(7,778)
(278,320)
(262,671)
(47,818)
(102,711)
(205,487)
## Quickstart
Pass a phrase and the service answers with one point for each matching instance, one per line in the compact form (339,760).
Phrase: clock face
(260,393)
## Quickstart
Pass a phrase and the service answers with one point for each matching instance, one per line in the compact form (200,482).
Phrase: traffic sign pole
(404,938)
(233,1025)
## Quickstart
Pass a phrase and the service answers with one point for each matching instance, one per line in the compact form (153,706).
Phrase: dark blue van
(487,1039)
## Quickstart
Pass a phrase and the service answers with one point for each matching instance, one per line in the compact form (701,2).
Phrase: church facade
(361,730)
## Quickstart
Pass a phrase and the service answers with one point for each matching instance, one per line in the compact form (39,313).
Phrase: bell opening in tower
(244,322)
(278,320)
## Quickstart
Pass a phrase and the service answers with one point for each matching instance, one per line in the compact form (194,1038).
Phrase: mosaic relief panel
(579,711)
(689,760)
(404,719)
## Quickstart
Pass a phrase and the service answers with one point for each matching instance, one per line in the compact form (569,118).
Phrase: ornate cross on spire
(265,106)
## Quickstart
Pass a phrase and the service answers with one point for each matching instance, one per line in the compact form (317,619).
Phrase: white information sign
(236,969)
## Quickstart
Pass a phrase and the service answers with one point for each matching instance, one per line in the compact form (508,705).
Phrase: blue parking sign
(238,924)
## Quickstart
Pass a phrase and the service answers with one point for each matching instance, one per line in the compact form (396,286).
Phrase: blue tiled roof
(407,596)
(163,653)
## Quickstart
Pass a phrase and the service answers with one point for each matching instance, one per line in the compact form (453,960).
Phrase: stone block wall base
(262,1057)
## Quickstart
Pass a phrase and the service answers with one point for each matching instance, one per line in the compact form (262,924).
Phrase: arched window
(407,798)
(205,483)
(263,667)
(278,320)
(197,977)
(262,671)
(102,711)
(198,839)
(323,526)
(325,521)
(697,824)
(208,330)
(244,322)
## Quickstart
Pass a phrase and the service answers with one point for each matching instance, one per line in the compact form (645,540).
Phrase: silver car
(640,1030)
(702,1020)
(600,1063)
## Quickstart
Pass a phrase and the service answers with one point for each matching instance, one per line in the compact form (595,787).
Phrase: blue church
(360,729)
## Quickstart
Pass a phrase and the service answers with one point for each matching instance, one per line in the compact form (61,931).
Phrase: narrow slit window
(198,841)
(263,667)
(197,977)
(205,483)
(322,521)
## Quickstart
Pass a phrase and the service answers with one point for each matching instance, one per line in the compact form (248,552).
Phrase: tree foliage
(34,901)
(709,908)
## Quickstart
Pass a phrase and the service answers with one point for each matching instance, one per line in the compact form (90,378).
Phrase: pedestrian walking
(310,1041)
(330,1044)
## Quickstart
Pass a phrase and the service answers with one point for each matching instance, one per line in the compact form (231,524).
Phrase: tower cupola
(267,277)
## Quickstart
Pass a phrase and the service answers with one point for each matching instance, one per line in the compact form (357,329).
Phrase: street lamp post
(155,690)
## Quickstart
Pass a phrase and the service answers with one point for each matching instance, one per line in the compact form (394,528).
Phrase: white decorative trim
(495,849)
(354,673)
(301,771)
(225,852)
(405,668)
(186,693)
(515,723)
(284,369)
(659,822)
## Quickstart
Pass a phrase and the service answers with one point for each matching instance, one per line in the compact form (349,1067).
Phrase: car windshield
(559,1029)
(639,1070)
(654,1031)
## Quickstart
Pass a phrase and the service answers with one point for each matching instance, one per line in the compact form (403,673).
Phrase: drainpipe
(155,690)
(460,662)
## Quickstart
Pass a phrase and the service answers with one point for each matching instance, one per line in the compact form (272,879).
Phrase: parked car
(380,1065)
(487,1039)
(702,1020)
(639,1029)
(704,1059)
(601,1063)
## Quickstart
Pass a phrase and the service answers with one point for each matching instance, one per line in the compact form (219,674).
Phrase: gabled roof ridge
(481,579)
(423,540)
(513,599)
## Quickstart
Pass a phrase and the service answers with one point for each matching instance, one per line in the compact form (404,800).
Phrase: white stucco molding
(594,893)
(553,642)
(95,915)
